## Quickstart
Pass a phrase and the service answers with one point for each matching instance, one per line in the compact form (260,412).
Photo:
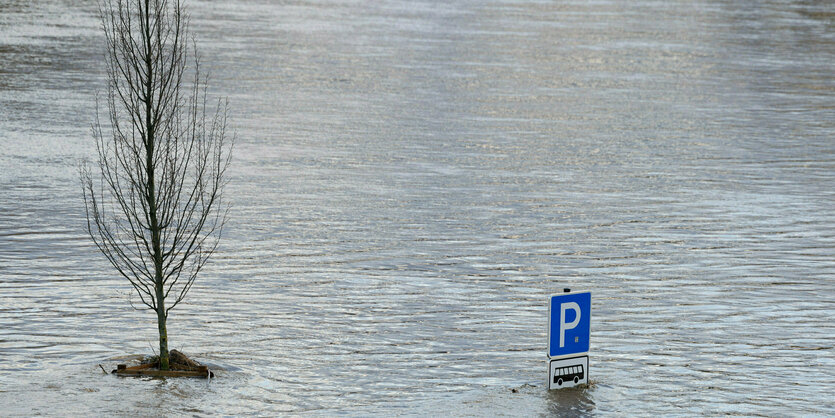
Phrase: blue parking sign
(569,324)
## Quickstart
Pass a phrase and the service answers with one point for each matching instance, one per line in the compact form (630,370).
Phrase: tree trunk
(163,332)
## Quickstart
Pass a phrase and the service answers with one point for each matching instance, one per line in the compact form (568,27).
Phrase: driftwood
(179,366)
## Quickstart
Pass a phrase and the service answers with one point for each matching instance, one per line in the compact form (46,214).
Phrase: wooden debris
(140,367)
(180,366)
(202,371)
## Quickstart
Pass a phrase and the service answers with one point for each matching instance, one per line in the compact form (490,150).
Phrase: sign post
(569,329)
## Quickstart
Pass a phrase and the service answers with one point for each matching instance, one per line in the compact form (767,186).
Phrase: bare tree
(154,206)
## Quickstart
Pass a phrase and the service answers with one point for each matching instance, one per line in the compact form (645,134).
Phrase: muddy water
(412,179)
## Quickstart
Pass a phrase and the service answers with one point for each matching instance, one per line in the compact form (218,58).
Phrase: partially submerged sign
(569,332)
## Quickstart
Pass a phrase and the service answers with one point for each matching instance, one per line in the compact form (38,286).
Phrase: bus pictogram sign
(568,372)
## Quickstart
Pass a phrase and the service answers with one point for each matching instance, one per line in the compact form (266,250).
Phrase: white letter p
(563,326)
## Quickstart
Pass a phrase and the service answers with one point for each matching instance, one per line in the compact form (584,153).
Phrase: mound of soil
(179,361)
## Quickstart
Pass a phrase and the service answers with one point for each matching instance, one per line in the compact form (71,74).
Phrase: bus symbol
(569,374)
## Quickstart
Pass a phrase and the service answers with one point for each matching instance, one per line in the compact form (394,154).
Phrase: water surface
(413,179)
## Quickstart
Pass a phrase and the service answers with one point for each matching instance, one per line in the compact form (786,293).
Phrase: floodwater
(413,179)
